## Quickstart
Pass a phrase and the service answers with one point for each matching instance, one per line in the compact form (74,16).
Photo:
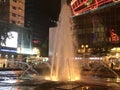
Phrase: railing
(25,67)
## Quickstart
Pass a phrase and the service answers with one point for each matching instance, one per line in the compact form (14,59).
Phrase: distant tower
(12,11)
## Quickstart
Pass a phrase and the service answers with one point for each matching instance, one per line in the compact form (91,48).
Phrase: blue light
(7,50)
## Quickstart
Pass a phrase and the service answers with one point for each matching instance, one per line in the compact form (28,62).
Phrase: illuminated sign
(114,38)
(12,40)
(25,51)
(8,50)
(80,6)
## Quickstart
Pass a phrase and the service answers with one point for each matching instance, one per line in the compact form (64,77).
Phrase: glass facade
(99,28)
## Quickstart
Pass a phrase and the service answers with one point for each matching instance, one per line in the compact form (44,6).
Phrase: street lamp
(84,48)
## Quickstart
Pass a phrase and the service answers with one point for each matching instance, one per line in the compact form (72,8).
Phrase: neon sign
(114,38)
(80,6)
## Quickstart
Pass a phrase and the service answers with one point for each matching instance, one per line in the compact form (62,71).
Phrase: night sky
(46,15)
(48,11)
(50,7)
(44,12)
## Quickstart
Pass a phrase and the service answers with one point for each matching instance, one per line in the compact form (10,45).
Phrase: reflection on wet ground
(59,86)
(17,88)
(9,80)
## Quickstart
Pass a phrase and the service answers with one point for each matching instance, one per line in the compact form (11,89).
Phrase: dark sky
(46,12)
(50,7)
(43,15)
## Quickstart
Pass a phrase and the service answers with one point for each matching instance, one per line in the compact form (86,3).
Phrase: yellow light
(74,78)
(118,79)
(77,78)
(86,46)
(47,78)
(78,50)
(113,49)
(87,87)
(82,46)
(117,55)
(36,51)
(53,78)
(19,50)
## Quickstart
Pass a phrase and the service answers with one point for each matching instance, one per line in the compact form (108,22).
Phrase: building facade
(12,14)
(97,23)
(12,11)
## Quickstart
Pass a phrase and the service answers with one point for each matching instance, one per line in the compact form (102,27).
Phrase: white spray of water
(63,64)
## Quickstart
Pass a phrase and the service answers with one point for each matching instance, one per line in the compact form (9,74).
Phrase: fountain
(20,70)
(63,64)
(64,67)
(66,72)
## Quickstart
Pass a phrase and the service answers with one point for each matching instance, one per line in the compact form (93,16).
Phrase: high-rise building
(12,11)
(12,18)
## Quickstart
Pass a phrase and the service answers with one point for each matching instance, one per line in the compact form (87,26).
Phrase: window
(20,9)
(20,2)
(14,0)
(20,17)
(13,7)
(13,14)
(13,22)
(19,22)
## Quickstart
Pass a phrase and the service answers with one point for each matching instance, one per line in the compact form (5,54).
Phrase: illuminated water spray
(63,65)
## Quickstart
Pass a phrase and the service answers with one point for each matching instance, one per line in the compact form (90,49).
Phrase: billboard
(12,40)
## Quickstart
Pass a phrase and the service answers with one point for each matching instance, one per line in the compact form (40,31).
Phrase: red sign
(35,41)
(114,38)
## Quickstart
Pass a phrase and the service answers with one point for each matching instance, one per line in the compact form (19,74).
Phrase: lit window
(13,7)
(20,2)
(20,9)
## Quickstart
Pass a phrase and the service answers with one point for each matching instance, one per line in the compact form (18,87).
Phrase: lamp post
(84,48)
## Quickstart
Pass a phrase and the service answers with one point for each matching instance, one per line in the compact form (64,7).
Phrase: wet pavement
(17,88)
(9,80)
(59,86)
